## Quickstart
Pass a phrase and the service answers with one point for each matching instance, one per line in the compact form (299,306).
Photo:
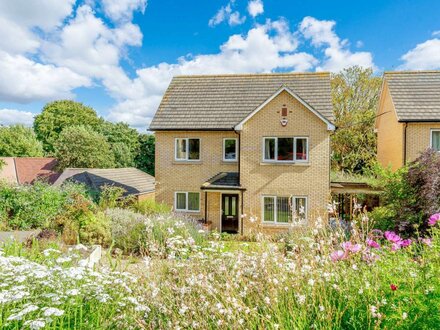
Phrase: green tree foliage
(19,141)
(58,115)
(123,141)
(355,94)
(145,158)
(81,146)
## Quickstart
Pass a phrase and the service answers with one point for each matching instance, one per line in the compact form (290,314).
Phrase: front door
(230,213)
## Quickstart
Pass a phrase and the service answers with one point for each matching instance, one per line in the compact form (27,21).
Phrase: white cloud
(12,116)
(119,10)
(255,7)
(436,33)
(337,53)
(23,80)
(425,56)
(226,13)
(263,49)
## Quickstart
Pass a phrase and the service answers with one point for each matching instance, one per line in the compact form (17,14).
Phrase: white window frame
(295,138)
(236,150)
(186,201)
(275,222)
(186,159)
(430,137)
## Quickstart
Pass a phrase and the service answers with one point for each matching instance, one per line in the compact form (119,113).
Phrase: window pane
(301,149)
(230,150)
(283,209)
(300,208)
(226,205)
(193,201)
(285,148)
(269,208)
(180,149)
(180,201)
(194,149)
(234,206)
(436,140)
(269,149)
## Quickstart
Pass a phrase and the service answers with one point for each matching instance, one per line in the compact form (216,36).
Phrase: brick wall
(389,133)
(418,138)
(310,180)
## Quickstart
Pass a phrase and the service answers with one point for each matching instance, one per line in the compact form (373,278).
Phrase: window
(284,209)
(187,201)
(230,151)
(435,139)
(187,149)
(285,149)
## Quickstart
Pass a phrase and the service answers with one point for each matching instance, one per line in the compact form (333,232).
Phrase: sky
(118,56)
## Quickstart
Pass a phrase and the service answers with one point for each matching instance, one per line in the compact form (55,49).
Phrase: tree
(80,146)
(145,158)
(19,141)
(123,141)
(355,94)
(58,115)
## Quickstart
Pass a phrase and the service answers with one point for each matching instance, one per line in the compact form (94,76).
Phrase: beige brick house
(245,152)
(408,120)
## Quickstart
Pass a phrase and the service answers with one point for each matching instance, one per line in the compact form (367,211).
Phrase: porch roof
(338,187)
(223,181)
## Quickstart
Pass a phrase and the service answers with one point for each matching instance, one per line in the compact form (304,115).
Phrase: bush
(150,207)
(34,206)
(383,217)
(96,230)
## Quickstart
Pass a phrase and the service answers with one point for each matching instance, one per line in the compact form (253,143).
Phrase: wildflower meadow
(311,278)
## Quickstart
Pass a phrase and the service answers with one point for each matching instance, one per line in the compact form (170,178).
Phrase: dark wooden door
(230,213)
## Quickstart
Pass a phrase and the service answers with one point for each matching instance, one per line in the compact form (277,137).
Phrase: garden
(163,271)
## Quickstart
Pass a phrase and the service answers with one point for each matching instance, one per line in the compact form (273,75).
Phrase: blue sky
(118,56)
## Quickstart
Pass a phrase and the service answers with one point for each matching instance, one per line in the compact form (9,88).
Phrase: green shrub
(96,230)
(150,207)
(383,217)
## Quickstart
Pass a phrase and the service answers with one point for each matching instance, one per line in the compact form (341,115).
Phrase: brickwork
(418,138)
(389,133)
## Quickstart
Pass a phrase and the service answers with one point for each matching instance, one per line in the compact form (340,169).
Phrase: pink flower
(350,247)
(337,255)
(405,242)
(395,246)
(433,219)
(392,236)
(373,244)
(426,241)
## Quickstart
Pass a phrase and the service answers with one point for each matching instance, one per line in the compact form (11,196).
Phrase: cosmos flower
(433,219)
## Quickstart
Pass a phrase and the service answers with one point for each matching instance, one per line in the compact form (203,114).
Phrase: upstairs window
(187,149)
(435,139)
(230,150)
(285,149)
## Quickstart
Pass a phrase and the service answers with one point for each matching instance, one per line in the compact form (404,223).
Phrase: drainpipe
(239,178)
(206,207)
(404,143)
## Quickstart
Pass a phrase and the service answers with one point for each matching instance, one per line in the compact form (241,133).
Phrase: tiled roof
(415,94)
(222,101)
(134,181)
(31,169)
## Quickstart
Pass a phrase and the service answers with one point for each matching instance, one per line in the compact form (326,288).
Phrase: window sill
(186,211)
(187,162)
(286,163)
(282,225)
(227,162)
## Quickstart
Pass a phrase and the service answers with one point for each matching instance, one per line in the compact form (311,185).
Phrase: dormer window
(285,149)
(187,149)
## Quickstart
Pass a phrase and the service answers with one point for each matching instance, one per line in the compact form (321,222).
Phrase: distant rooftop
(28,170)
(415,94)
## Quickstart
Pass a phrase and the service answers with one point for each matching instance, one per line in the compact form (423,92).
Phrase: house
(408,119)
(135,182)
(245,152)
(28,170)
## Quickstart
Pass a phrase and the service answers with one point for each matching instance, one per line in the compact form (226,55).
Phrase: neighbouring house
(245,152)
(28,170)
(408,119)
(135,182)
